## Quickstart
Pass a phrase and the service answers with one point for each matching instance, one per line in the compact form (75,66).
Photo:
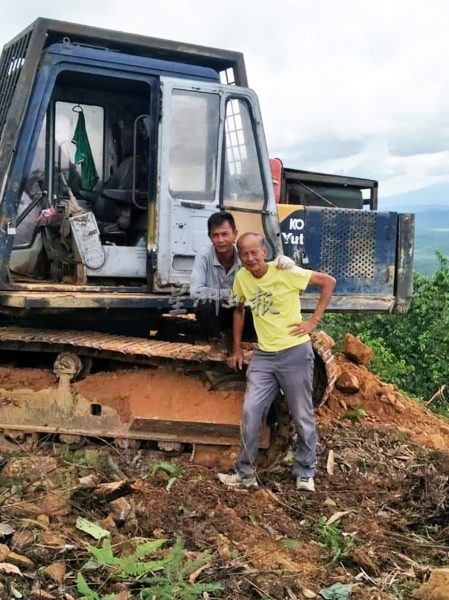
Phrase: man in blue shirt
(213,277)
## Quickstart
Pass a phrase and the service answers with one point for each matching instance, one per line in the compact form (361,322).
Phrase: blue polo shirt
(209,280)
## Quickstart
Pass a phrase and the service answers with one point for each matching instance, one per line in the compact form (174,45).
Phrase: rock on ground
(348,383)
(356,350)
(437,587)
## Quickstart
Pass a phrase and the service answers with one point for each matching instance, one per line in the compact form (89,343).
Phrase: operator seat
(112,204)
(118,187)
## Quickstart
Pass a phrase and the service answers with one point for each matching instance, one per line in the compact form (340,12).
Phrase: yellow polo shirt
(274,303)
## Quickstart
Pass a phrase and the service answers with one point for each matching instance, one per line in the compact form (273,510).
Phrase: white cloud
(355,87)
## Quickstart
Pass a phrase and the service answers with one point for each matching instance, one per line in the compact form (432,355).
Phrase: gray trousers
(291,371)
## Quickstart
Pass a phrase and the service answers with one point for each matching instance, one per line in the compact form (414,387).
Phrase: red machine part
(276,167)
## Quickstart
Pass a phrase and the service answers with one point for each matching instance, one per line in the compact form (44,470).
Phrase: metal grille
(348,243)
(11,63)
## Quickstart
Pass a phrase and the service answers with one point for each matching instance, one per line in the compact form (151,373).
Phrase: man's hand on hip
(303,327)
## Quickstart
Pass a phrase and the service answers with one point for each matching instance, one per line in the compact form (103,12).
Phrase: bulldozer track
(145,351)
(118,347)
(163,416)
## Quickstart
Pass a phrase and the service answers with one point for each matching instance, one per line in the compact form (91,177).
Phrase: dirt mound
(359,395)
(165,392)
(382,404)
(35,379)
(437,588)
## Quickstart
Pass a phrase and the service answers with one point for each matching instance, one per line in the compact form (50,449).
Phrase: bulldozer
(114,150)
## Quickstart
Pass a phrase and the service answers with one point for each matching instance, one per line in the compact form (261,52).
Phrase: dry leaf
(308,593)
(52,539)
(56,571)
(337,516)
(21,539)
(10,569)
(89,481)
(4,552)
(6,529)
(330,465)
(41,594)
(112,490)
(20,559)
(55,505)
(194,576)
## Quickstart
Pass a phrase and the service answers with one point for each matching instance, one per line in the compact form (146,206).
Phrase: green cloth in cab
(83,154)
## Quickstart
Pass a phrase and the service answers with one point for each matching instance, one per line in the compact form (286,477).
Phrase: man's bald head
(252,253)
(250,237)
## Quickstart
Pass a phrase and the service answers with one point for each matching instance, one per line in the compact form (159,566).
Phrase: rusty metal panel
(404,265)
(62,408)
(204,433)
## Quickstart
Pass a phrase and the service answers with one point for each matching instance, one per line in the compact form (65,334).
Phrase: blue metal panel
(23,160)
(135,64)
(357,247)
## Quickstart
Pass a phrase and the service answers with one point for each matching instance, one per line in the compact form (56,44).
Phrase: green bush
(160,578)
(338,543)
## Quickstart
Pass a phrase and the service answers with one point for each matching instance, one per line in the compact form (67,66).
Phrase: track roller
(127,443)
(67,364)
(26,441)
(172,448)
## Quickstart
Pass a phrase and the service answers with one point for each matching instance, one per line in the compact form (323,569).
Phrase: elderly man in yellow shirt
(284,359)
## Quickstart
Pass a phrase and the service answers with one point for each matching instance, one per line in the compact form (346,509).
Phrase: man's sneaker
(305,484)
(236,481)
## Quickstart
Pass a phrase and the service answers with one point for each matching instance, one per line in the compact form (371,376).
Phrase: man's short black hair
(218,218)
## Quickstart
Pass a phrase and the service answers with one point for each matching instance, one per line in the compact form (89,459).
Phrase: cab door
(212,156)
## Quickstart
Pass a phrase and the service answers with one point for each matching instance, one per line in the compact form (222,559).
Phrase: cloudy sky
(358,87)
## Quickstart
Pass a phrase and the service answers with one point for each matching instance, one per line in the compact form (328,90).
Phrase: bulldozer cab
(120,160)
(83,210)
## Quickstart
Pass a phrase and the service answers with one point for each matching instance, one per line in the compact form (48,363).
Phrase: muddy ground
(377,524)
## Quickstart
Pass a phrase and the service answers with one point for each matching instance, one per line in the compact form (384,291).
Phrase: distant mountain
(430,206)
(434,195)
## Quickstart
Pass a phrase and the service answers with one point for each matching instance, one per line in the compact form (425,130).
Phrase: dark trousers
(214,322)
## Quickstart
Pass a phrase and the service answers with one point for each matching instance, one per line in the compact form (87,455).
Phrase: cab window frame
(225,205)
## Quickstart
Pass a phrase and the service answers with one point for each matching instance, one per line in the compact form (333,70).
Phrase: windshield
(194,145)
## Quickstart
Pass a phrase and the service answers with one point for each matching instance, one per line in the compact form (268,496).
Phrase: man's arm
(199,290)
(238,320)
(327,285)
